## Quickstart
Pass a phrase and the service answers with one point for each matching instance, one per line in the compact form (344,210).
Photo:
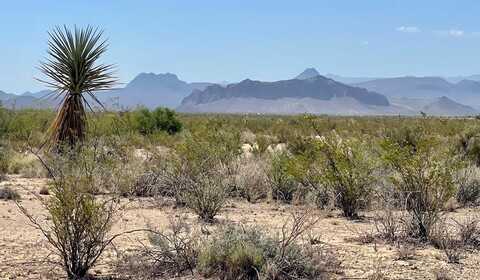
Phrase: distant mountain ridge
(316,87)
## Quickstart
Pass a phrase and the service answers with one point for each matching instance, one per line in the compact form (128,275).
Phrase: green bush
(78,224)
(424,175)
(160,119)
(202,171)
(246,253)
(282,183)
(348,172)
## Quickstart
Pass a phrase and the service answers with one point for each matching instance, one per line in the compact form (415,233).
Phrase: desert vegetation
(412,184)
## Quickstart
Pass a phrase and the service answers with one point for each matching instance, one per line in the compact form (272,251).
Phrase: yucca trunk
(68,127)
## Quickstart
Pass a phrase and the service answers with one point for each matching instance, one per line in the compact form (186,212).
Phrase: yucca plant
(74,74)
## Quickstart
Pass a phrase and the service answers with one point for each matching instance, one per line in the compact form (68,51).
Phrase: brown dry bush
(250,180)
(171,252)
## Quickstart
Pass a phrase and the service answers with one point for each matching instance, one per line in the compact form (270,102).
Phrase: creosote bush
(281,181)
(424,177)
(348,172)
(79,223)
(201,175)
(160,119)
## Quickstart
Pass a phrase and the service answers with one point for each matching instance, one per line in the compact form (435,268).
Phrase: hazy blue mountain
(447,107)
(356,80)
(307,74)
(43,94)
(438,106)
(152,90)
(317,87)
(13,101)
(309,92)
(465,91)
(461,78)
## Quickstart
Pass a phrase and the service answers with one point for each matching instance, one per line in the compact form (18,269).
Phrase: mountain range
(308,92)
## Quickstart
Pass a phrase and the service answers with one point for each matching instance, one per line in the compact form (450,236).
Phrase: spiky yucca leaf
(72,71)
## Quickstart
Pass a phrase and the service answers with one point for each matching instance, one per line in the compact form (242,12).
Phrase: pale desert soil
(23,249)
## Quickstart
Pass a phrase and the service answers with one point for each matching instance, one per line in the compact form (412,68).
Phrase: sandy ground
(23,250)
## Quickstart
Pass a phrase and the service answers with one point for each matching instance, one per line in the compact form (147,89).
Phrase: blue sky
(262,39)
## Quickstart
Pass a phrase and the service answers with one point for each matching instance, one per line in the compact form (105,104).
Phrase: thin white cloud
(408,29)
(455,33)
(365,43)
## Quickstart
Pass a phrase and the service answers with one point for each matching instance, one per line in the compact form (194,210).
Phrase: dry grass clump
(27,165)
(250,180)
(8,193)
(232,252)
(170,252)
(246,253)
(468,193)
(442,274)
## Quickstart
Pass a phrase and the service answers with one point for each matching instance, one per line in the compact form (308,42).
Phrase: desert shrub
(27,165)
(160,119)
(451,247)
(235,253)
(442,274)
(348,172)
(468,191)
(305,168)
(203,191)
(424,177)
(238,252)
(405,250)
(79,225)
(108,164)
(468,144)
(171,252)
(469,231)
(251,179)
(8,193)
(203,169)
(282,183)
(5,158)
